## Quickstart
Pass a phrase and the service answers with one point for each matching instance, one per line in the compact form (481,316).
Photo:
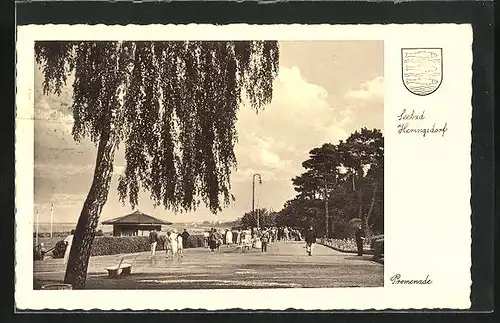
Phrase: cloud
(368,90)
(364,105)
(274,143)
(280,137)
(53,108)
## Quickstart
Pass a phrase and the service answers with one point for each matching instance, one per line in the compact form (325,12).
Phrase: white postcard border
(444,227)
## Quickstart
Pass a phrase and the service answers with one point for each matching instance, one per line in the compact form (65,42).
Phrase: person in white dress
(168,246)
(180,246)
(206,235)
(69,241)
(173,243)
(229,237)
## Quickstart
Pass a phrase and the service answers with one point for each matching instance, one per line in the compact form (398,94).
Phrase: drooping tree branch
(178,102)
(173,105)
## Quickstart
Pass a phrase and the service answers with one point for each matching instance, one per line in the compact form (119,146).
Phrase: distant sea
(66,227)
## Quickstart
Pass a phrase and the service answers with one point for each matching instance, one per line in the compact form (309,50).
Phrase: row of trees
(266,217)
(341,184)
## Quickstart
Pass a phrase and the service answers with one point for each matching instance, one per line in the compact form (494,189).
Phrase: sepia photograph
(176,165)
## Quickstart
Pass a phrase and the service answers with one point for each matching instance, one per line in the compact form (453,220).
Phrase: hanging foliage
(173,105)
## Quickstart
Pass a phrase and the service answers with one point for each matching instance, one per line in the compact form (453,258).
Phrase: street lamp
(253,196)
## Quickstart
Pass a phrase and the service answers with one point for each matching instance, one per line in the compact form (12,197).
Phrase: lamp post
(253,196)
(51,217)
(36,227)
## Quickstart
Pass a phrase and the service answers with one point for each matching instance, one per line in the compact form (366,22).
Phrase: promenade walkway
(284,265)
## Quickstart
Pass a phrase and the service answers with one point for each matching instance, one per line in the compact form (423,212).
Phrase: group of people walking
(215,238)
(285,234)
(174,243)
(288,234)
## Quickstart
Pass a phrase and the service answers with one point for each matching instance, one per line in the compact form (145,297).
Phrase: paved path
(284,265)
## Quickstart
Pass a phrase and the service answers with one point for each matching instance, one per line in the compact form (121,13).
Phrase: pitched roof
(136,218)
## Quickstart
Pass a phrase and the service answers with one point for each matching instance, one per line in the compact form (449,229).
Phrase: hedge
(344,245)
(195,241)
(59,249)
(103,245)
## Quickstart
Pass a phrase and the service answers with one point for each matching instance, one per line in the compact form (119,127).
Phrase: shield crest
(422,69)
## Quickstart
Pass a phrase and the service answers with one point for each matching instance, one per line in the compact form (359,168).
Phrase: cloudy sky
(324,92)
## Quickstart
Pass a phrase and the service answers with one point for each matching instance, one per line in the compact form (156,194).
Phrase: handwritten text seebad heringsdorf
(414,123)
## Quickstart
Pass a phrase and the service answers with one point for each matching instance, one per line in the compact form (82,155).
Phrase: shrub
(59,249)
(195,241)
(99,233)
(377,245)
(347,245)
(115,245)
(106,245)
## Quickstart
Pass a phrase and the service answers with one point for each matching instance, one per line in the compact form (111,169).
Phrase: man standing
(153,240)
(185,236)
(212,240)
(264,239)
(310,239)
(360,236)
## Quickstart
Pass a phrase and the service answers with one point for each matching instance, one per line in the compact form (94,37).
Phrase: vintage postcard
(243,167)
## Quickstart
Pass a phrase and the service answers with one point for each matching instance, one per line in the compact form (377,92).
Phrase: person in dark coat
(264,238)
(212,240)
(185,236)
(153,240)
(310,240)
(360,236)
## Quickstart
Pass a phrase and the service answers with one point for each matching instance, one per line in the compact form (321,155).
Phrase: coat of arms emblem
(422,69)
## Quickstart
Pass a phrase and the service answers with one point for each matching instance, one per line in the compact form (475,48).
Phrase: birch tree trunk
(76,271)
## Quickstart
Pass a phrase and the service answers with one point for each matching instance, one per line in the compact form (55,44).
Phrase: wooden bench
(123,268)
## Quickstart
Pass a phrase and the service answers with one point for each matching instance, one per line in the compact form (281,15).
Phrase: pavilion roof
(137,217)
